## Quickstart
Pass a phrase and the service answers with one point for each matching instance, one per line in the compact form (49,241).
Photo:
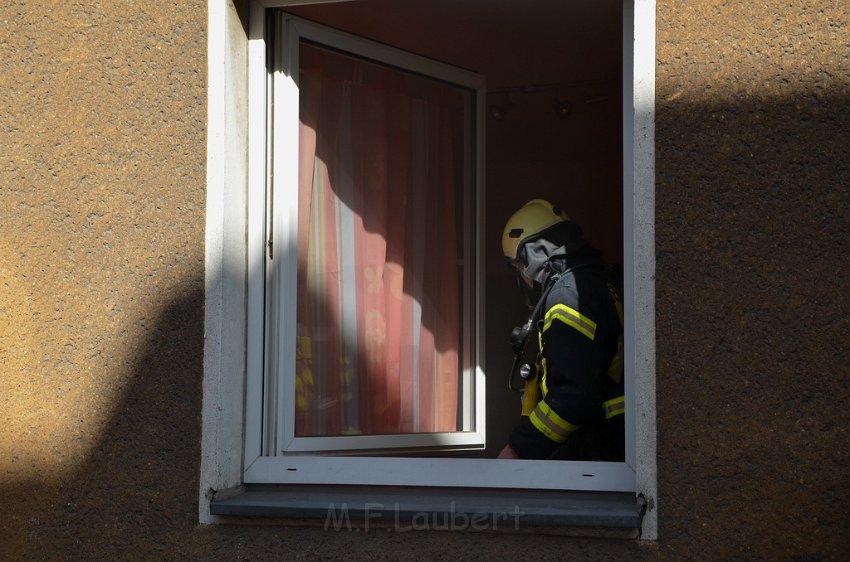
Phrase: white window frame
(233,274)
(284,98)
(277,464)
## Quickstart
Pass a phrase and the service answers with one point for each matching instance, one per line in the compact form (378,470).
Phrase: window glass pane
(384,184)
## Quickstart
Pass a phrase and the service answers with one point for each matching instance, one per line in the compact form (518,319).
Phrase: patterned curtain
(380,195)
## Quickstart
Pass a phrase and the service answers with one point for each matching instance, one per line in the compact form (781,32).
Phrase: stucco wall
(102,175)
(753,165)
(102,186)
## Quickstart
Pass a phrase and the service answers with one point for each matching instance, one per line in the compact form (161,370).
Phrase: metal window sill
(609,514)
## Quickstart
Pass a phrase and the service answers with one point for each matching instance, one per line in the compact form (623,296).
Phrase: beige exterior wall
(102,199)
(753,164)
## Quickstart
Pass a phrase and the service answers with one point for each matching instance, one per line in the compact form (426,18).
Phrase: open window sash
(374,224)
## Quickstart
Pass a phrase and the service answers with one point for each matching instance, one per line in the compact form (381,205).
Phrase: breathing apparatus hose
(519,339)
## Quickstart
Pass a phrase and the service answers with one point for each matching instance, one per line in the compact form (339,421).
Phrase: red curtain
(381,190)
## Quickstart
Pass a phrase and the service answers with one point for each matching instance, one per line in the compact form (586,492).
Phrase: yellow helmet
(532,218)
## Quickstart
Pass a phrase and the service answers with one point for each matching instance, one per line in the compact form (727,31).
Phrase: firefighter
(579,365)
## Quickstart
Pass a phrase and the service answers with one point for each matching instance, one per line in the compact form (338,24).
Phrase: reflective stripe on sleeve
(551,424)
(570,317)
(614,407)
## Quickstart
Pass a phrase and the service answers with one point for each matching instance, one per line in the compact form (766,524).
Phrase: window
(300,421)
(373,277)
(372,289)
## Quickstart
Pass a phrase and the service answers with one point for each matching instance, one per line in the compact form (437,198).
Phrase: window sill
(616,515)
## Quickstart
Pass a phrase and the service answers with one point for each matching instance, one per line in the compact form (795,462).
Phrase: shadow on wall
(136,495)
(137,491)
(752,276)
(752,321)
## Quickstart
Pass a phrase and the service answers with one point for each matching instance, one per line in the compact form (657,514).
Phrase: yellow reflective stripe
(570,317)
(551,424)
(543,386)
(615,369)
(541,367)
(618,302)
(614,407)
